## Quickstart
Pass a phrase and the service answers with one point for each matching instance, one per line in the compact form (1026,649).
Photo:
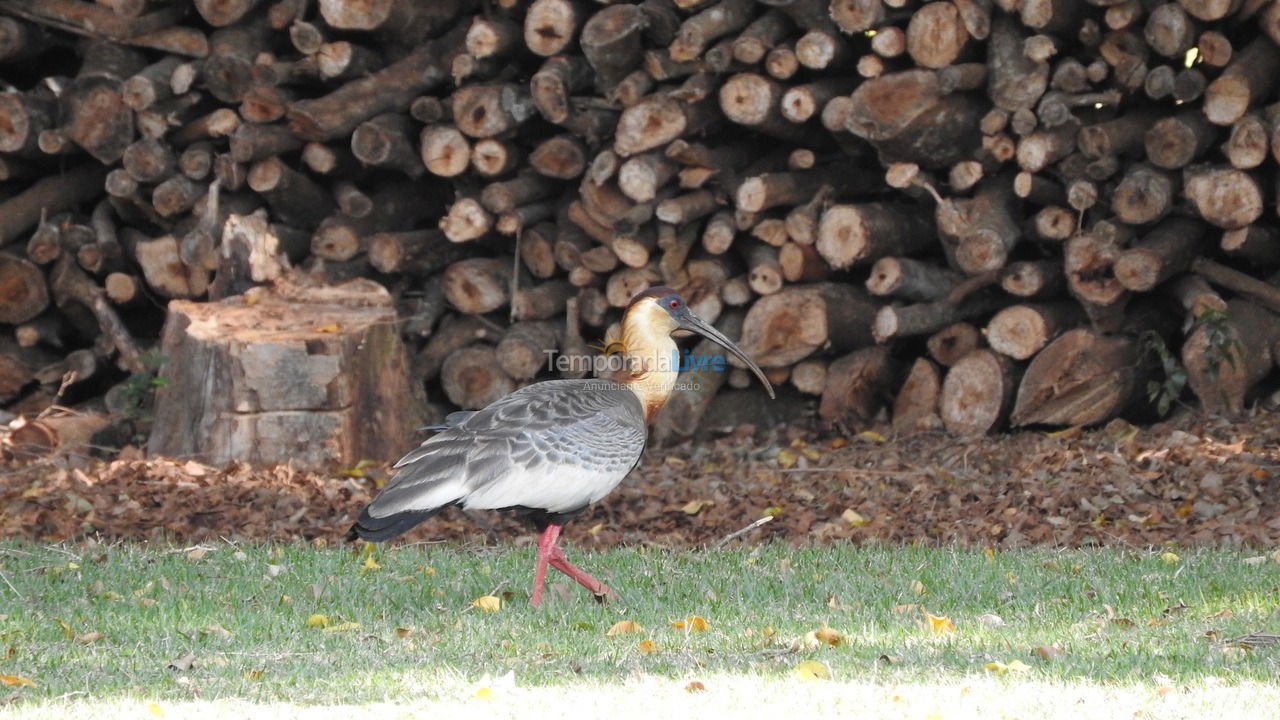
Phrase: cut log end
(977,393)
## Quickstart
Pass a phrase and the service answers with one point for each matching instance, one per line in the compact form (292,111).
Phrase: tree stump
(313,375)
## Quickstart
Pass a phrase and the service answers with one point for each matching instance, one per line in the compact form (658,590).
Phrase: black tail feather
(378,529)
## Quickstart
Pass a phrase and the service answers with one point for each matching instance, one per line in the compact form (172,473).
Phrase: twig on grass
(5,578)
(738,533)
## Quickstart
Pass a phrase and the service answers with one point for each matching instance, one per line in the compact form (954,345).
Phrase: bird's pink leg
(599,589)
(546,548)
(550,553)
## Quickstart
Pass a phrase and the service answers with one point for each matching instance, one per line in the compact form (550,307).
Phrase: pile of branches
(971,212)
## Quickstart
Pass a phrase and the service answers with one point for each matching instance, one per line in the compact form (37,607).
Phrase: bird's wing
(453,419)
(556,445)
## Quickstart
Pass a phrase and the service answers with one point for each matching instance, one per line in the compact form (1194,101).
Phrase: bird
(550,449)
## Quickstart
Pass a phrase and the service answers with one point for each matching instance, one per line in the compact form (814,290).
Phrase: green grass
(1115,617)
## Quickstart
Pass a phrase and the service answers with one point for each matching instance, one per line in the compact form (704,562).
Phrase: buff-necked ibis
(550,449)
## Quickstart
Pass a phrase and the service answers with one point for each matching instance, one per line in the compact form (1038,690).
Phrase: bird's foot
(605,594)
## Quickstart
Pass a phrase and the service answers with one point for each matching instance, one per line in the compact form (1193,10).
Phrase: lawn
(239,630)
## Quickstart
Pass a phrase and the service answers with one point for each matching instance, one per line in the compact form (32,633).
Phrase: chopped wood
(1225,196)
(1020,331)
(1081,155)
(915,407)
(788,326)
(924,318)
(1225,359)
(978,393)
(1164,252)
(848,234)
(953,342)
(910,279)
(1081,378)
(857,387)
(1144,195)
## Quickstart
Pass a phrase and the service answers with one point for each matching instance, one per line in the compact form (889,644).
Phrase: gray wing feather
(546,445)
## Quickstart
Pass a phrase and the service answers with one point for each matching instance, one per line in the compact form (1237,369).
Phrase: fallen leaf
(328,328)
(370,564)
(89,638)
(622,627)
(648,646)
(358,470)
(1000,668)
(871,435)
(1048,653)
(402,632)
(1169,558)
(197,553)
(67,632)
(17,681)
(693,623)
(156,710)
(220,631)
(828,635)
(812,670)
(787,458)
(693,507)
(342,627)
(852,517)
(939,624)
(317,620)
(990,620)
(918,588)
(487,603)
(695,686)
(253,675)
(890,659)
(484,693)
(183,663)
(1071,432)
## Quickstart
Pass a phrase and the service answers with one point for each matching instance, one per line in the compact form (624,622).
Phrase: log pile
(970,213)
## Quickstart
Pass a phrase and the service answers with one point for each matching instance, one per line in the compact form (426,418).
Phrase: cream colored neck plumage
(651,355)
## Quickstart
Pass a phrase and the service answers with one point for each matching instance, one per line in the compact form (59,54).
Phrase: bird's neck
(652,362)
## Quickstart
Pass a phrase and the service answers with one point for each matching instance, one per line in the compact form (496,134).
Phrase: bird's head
(661,309)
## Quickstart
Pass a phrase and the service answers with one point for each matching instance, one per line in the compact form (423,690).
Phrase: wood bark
(915,407)
(291,389)
(789,325)
(857,387)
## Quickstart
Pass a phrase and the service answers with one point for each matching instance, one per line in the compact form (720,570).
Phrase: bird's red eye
(674,304)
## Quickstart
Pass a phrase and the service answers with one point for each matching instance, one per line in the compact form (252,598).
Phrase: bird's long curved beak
(696,324)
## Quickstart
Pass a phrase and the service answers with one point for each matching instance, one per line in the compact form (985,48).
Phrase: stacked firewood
(972,213)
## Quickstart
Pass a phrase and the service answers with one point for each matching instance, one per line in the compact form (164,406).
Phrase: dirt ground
(1189,481)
